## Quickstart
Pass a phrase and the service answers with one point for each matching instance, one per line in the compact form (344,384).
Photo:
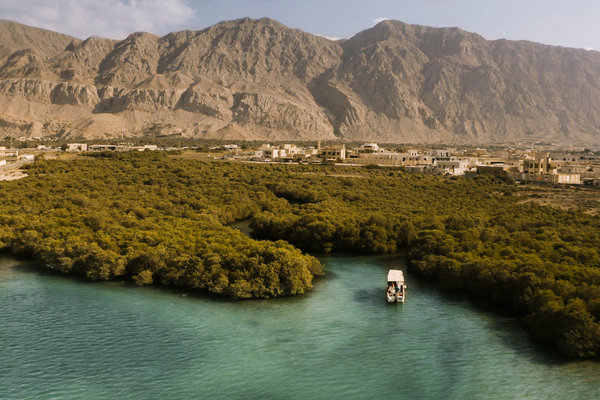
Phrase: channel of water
(66,338)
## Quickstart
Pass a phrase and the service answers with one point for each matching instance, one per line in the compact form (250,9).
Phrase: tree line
(150,218)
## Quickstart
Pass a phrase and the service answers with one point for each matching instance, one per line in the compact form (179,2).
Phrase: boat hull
(394,299)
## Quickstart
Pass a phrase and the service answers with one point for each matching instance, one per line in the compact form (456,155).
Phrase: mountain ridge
(258,79)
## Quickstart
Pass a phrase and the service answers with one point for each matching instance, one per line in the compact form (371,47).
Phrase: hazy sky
(572,23)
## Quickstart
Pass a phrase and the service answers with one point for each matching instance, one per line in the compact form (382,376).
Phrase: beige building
(515,163)
(422,169)
(77,147)
(2,151)
(566,157)
(334,152)
(540,165)
(491,170)
(379,158)
(541,168)
(437,154)
(567,178)
(504,154)
(573,179)
(310,152)
(573,169)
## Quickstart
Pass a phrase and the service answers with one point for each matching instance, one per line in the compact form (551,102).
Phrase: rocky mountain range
(258,79)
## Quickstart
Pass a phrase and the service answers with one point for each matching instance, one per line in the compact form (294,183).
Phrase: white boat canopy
(395,276)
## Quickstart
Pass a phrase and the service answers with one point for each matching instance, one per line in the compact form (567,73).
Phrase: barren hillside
(258,79)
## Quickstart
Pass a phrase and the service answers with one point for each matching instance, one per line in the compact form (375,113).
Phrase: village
(520,165)
(574,167)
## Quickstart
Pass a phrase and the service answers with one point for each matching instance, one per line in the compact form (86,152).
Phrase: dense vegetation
(161,220)
(145,216)
(469,234)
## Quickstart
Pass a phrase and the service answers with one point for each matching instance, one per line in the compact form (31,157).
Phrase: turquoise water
(64,338)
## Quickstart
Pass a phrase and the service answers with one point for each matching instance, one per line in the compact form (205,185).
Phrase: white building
(369,148)
(273,153)
(292,150)
(151,147)
(453,166)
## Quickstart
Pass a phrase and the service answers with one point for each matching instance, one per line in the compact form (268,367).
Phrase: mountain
(258,79)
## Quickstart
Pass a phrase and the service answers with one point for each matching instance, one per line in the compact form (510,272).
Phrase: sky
(572,23)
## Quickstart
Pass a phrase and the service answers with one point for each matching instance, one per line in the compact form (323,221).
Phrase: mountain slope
(257,79)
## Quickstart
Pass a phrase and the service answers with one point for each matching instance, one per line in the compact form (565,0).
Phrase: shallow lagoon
(65,338)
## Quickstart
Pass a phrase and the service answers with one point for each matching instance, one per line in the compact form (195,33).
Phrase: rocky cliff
(257,79)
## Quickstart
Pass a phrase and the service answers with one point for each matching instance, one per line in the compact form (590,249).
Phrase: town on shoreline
(575,166)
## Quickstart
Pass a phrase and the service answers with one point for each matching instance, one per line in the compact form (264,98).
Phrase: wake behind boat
(396,289)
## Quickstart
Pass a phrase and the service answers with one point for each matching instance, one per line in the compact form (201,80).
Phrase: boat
(396,288)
